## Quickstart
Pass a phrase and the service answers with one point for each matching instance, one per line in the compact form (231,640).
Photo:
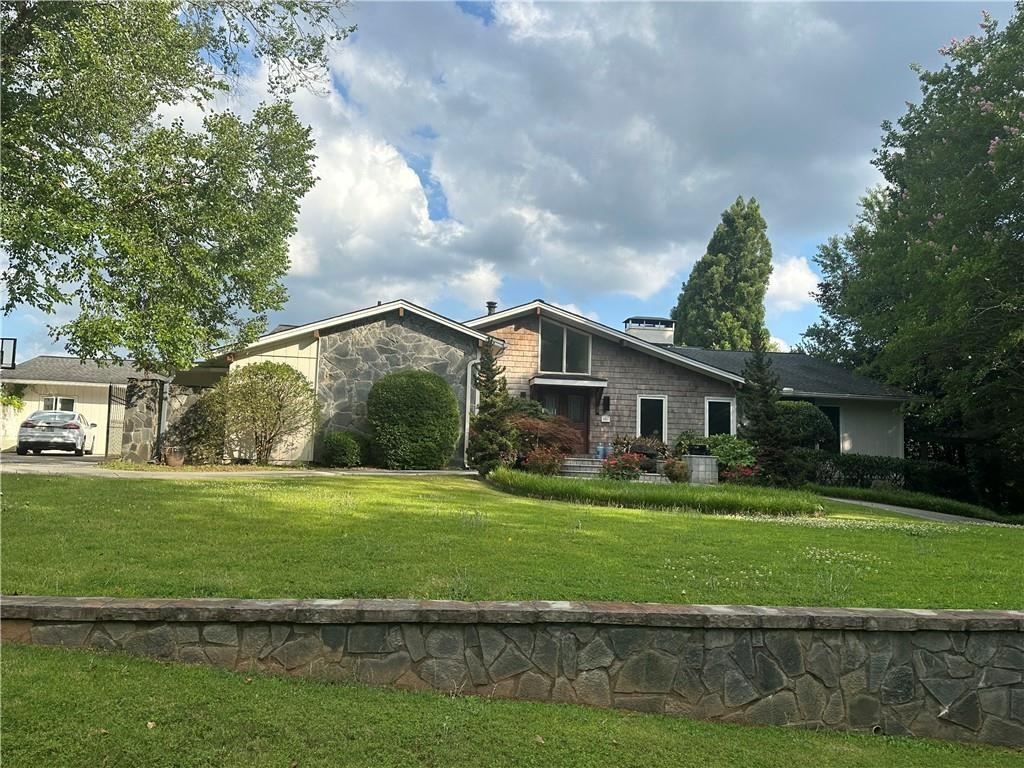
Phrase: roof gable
(538,306)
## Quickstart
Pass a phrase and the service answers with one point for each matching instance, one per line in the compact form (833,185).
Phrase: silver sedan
(56,430)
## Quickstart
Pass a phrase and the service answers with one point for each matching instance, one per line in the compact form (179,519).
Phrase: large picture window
(563,350)
(719,416)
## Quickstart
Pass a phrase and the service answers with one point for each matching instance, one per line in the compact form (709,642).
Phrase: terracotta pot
(174,457)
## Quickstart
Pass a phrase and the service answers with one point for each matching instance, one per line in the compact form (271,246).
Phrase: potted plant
(689,443)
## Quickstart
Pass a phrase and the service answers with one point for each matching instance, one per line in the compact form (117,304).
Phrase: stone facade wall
(142,416)
(629,373)
(951,675)
(353,357)
(141,420)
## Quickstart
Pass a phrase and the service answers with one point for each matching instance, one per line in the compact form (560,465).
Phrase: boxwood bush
(414,418)
(345,449)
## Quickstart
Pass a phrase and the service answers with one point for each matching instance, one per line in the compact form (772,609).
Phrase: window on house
(563,350)
(719,417)
(652,416)
(58,403)
(832,412)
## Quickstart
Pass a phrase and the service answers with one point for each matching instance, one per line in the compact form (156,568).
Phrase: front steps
(588,467)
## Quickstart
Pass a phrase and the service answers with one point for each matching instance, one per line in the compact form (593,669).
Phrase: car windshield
(52,416)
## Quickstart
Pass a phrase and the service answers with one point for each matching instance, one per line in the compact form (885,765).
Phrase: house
(607,382)
(51,382)
(635,381)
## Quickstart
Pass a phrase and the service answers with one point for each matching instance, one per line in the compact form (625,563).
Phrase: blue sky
(583,153)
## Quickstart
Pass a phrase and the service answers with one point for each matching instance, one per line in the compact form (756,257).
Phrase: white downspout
(470,396)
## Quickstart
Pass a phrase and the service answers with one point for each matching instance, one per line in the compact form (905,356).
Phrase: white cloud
(577,311)
(791,284)
(477,286)
(780,344)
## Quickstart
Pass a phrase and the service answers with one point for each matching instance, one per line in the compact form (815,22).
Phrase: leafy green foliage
(345,449)
(688,441)
(200,429)
(761,424)
(731,451)
(804,424)
(677,470)
(11,396)
(721,305)
(492,439)
(166,243)
(414,418)
(863,471)
(544,461)
(927,290)
(265,407)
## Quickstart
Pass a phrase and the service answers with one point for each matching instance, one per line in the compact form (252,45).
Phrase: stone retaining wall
(942,674)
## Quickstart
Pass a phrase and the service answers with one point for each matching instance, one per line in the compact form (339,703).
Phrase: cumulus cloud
(791,284)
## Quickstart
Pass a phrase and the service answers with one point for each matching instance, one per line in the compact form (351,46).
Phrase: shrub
(732,452)
(414,418)
(491,437)
(677,470)
(544,461)
(708,499)
(802,464)
(689,443)
(804,425)
(623,466)
(555,432)
(345,449)
(264,407)
(648,446)
(862,471)
(199,429)
(739,475)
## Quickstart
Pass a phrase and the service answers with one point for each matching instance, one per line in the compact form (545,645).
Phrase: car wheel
(22,451)
(37,451)
(80,451)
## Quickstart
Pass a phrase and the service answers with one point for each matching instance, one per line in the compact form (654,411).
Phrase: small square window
(58,403)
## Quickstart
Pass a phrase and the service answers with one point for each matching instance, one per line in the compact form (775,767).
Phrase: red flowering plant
(623,466)
(544,461)
(742,475)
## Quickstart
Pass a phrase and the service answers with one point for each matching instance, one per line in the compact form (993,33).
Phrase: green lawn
(917,500)
(78,708)
(711,499)
(452,537)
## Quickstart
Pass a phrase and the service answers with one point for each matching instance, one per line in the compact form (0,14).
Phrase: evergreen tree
(721,306)
(491,437)
(761,423)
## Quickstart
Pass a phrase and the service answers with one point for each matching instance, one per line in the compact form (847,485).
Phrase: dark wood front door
(573,404)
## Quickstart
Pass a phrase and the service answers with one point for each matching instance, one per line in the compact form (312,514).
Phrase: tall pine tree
(491,437)
(721,306)
(761,423)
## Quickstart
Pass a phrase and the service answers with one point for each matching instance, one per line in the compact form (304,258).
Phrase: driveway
(48,462)
(923,514)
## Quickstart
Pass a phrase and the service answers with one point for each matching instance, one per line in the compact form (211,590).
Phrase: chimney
(492,307)
(654,330)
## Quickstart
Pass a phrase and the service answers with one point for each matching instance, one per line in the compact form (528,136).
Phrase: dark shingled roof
(801,372)
(73,370)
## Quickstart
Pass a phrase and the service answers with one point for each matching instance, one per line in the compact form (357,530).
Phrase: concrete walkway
(88,467)
(924,514)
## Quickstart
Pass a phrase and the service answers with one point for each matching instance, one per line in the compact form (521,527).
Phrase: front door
(573,404)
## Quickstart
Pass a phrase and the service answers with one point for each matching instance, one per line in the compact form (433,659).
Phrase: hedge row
(854,470)
(707,499)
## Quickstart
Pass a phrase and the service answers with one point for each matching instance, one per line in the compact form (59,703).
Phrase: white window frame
(56,399)
(664,413)
(732,413)
(565,343)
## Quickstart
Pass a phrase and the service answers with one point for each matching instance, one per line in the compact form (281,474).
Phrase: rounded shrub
(544,461)
(344,449)
(414,419)
(804,425)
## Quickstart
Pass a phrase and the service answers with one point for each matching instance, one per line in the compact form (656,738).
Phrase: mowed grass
(455,538)
(916,500)
(707,499)
(76,708)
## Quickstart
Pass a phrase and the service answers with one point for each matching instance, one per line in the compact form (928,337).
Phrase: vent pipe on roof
(492,307)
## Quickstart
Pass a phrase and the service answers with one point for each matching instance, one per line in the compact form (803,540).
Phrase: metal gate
(115,418)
